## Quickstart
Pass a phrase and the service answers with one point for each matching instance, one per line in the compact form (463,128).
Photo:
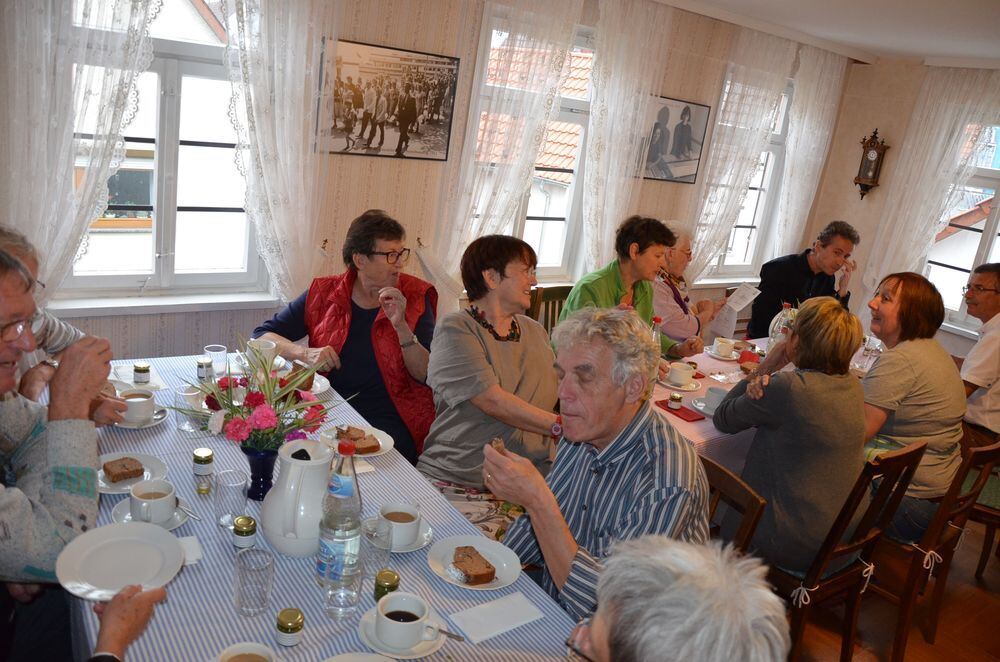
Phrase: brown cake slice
(121,469)
(471,563)
(367,444)
(351,433)
(299,366)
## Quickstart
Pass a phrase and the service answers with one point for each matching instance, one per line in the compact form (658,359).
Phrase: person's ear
(633,250)
(635,388)
(492,278)
(359,260)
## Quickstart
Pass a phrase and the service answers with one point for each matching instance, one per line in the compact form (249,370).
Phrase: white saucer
(366,628)
(385,442)
(699,404)
(159,416)
(711,352)
(506,562)
(693,385)
(121,514)
(424,537)
(152,468)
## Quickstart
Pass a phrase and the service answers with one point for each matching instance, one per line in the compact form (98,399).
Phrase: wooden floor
(969,628)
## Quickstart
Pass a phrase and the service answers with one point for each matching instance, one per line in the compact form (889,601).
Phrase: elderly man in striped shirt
(621,471)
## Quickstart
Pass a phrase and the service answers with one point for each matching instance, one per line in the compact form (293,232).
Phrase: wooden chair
(727,487)
(550,304)
(895,469)
(536,302)
(990,518)
(905,570)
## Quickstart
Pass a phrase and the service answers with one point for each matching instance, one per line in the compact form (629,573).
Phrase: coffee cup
(723,347)
(680,374)
(402,620)
(152,501)
(139,405)
(405,520)
(714,397)
(247,652)
(267,349)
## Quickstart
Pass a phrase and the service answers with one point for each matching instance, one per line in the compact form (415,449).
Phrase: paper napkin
(362,467)
(123,374)
(192,549)
(496,617)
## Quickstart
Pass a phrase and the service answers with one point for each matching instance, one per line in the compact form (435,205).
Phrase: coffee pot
(293,508)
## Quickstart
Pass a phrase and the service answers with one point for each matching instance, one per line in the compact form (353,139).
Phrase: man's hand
(513,478)
(105,410)
(24,593)
(324,358)
(125,618)
(393,305)
(662,368)
(845,277)
(690,347)
(83,369)
(35,379)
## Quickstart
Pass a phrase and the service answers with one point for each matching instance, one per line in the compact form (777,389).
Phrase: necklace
(513,335)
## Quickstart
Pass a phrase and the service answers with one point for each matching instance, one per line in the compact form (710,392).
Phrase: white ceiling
(968,29)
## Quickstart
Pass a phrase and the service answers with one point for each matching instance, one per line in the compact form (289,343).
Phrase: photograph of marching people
(383,101)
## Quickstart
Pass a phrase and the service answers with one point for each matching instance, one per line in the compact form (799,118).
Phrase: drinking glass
(230,496)
(254,577)
(376,542)
(187,397)
(342,588)
(218,355)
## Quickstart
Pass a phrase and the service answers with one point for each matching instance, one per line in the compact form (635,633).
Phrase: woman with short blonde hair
(809,445)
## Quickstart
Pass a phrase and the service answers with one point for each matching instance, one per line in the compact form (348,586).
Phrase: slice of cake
(299,366)
(121,469)
(367,444)
(470,567)
(350,433)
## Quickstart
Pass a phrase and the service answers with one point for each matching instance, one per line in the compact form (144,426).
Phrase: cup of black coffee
(402,621)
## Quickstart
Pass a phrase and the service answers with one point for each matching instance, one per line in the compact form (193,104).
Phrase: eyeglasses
(392,257)
(579,635)
(978,289)
(14,330)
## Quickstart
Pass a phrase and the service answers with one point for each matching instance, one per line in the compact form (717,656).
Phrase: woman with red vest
(371,329)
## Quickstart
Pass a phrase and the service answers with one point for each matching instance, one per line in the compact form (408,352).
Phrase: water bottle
(781,325)
(655,330)
(338,563)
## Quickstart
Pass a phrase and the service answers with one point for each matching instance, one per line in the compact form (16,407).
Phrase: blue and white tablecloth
(198,620)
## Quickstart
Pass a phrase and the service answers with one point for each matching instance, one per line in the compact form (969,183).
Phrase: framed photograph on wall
(676,139)
(381,101)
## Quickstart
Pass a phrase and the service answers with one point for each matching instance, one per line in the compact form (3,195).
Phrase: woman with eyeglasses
(681,319)
(369,330)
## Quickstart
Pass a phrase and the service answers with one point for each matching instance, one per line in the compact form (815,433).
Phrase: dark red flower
(212,403)
(254,399)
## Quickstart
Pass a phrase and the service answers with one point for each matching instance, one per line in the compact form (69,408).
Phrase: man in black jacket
(800,276)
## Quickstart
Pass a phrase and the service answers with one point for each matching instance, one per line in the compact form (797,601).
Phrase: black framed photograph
(381,101)
(676,139)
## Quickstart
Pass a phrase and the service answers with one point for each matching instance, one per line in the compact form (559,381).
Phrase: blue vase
(261,472)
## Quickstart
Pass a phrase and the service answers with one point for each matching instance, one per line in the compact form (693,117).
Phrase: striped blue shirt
(649,480)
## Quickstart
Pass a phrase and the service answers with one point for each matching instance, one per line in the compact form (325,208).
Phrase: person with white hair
(680,318)
(664,599)
(621,471)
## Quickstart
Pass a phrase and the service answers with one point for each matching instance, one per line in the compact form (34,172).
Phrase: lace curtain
(934,163)
(759,71)
(521,63)
(819,83)
(68,71)
(630,55)
(280,100)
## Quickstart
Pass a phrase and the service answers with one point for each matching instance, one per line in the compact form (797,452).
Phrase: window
(971,234)
(748,245)
(175,221)
(552,205)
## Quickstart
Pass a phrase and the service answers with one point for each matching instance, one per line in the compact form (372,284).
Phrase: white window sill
(724,281)
(961,331)
(187,303)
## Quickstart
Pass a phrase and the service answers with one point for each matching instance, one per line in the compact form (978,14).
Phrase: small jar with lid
(386,581)
(289,625)
(244,531)
(675,401)
(140,372)
(205,371)
(203,466)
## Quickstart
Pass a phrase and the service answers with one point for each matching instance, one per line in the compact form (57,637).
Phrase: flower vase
(261,472)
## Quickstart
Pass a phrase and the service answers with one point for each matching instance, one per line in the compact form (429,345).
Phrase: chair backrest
(536,302)
(956,505)
(727,487)
(895,470)
(551,304)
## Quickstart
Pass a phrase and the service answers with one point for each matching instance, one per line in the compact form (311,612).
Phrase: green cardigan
(604,289)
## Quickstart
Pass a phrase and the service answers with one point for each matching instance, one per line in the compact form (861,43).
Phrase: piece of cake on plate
(469,567)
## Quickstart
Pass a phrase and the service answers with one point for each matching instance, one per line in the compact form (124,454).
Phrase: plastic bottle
(780,329)
(338,561)
(655,330)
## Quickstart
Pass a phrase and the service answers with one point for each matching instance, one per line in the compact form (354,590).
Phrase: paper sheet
(724,324)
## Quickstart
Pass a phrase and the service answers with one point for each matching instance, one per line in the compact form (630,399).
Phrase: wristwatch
(556,430)
(408,343)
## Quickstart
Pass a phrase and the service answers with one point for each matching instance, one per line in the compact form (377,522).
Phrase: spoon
(456,637)
(185,509)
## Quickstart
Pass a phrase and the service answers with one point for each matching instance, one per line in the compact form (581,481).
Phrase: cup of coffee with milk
(405,520)
(139,405)
(680,374)
(723,347)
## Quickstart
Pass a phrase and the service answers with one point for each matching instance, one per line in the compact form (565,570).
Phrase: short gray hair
(10,264)
(629,337)
(17,244)
(838,229)
(700,602)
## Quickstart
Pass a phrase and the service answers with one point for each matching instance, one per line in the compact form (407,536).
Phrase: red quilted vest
(328,319)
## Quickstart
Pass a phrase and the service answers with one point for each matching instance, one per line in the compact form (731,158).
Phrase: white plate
(320,384)
(237,365)
(159,415)
(366,628)
(711,352)
(121,514)
(424,536)
(97,564)
(359,657)
(700,405)
(152,468)
(385,442)
(693,385)
(506,562)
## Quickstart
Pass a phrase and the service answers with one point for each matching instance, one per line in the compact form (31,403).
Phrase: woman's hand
(776,358)
(690,347)
(393,305)
(324,358)
(755,386)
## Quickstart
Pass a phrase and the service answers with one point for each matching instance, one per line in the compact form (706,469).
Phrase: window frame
(172,61)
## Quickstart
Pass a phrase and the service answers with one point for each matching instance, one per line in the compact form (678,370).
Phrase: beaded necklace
(514,335)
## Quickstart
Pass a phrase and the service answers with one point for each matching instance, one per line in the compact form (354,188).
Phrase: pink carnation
(314,416)
(253,399)
(306,396)
(295,434)
(237,430)
(263,417)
